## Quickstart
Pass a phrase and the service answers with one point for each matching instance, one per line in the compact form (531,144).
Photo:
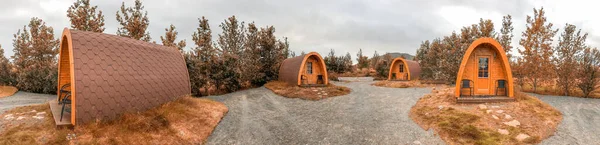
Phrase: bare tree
(570,46)
(505,37)
(6,76)
(134,22)
(170,38)
(231,43)
(35,57)
(537,50)
(588,72)
(84,17)
(203,60)
(363,61)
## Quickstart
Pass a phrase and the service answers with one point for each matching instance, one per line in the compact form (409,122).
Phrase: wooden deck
(484,99)
(56,108)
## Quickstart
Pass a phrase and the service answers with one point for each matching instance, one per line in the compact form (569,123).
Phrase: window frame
(401,68)
(483,73)
(309,68)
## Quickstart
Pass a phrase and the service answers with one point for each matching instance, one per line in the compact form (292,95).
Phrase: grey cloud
(310,25)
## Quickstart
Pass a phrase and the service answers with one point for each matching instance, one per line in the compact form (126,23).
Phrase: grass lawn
(486,123)
(308,93)
(184,121)
(6,91)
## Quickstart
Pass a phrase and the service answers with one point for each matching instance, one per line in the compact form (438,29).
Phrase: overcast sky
(319,25)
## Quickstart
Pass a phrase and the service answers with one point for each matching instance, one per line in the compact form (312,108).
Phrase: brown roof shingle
(114,75)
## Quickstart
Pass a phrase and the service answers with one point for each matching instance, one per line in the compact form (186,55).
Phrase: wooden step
(484,99)
(56,109)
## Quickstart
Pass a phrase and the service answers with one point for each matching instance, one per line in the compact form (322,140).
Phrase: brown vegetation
(134,22)
(184,121)
(309,93)
(6,91)
(470,124)
(402,84)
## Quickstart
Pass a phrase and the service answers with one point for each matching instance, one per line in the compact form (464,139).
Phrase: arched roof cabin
(484,71)
(108,75)
(304,70)
(404,70)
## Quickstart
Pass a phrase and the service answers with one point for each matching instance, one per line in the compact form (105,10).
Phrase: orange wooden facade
(485,63)
(402,69)
(304,70)
(316,65)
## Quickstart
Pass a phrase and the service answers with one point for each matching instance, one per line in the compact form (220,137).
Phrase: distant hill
(397,54)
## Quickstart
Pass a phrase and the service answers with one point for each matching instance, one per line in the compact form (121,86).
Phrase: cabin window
(401,68)
(483,67)
(309,68)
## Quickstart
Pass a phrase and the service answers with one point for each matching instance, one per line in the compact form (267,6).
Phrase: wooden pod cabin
(103,75)
(305,70)
(484,71)
(404,70)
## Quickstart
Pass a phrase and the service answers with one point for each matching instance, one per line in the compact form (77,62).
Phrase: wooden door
(482,82)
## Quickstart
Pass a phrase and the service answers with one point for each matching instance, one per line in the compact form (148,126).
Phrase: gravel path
(23,99)
(368,115)
(581,120)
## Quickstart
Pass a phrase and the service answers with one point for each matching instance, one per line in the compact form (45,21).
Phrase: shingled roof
(111,75)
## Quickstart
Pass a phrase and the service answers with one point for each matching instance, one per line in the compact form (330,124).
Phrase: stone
(325,94)
(440,107)
(513,123)
(495,117)
(482,107)
(522,137)
(503,131)
(495,106)
(417,142)
(9,117)
(499,111)
(33,111)
(318,93)
(506,116)
(20,117)
(315,90)
(489,111)
(38,117)
(40,113)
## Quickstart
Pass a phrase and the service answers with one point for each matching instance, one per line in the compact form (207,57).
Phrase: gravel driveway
(581,120)
(368,115)
(23,99)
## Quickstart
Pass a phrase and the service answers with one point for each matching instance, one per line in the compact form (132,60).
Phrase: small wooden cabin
(102,76)
(484,71)
(404,70)
(304,70)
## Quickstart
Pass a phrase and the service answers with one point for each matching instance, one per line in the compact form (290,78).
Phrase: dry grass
(551,88)
(467,124)
(308,93)
(402,84)
(184,121)
(6,91)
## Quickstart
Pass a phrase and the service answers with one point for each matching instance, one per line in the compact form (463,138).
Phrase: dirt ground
(368,115)
(581,120)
